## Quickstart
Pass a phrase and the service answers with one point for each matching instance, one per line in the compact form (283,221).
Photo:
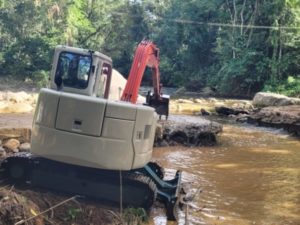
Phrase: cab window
(73,70)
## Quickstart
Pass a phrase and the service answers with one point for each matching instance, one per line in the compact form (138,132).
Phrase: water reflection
(252,177)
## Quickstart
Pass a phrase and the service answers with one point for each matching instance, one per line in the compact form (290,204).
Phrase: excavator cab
(73,70)
(81,71)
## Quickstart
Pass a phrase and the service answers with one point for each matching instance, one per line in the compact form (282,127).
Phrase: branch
(91,7)
(91,34)
(242,16)
(228,6)
(233,29)
(235,12)
(252,21)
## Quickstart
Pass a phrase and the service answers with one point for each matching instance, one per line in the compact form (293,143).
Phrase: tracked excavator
(83,143)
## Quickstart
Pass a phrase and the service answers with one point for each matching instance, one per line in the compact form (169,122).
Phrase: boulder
(2,152)
(198,100)
(32,99)
(17,102)
(265,99)
(24,147)
(184,101)
(17,97)
(22,107)
(286,117)
(242,118)
(226,111)
(159,131)
(163,143)
(22,134)
(4,106)
(12,145)
(243,105)
(204,112)
(212,100)
(188,131)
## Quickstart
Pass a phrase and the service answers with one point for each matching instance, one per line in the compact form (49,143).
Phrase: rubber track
(136,180)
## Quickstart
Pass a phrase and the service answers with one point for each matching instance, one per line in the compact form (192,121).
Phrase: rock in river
(286,117)
(24,147)
(263,99)
(12,145)
(226,111)
(2,152)
(188,131)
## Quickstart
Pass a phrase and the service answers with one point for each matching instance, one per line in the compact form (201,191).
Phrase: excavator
(84,143)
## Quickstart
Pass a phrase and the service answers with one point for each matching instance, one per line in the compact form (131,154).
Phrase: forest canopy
(237,47)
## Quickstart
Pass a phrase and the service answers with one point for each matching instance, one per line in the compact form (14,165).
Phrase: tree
(237,47)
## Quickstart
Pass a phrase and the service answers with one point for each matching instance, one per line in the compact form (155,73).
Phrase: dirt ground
(18,205)
(23,120)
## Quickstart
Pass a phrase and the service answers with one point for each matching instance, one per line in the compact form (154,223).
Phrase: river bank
(266,109)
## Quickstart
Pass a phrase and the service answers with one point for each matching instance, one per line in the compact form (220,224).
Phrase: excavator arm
(146,54)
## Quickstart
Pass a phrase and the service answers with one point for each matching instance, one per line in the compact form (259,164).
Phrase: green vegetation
(41,78)
(289,87)
(135,216)
(237,47)
(72,214)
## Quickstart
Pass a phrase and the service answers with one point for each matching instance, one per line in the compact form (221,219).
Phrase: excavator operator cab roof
(81,71)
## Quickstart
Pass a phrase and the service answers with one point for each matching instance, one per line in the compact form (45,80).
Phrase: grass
(290,87)
(136,216)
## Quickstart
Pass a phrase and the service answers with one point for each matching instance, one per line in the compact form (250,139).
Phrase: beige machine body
(75,123)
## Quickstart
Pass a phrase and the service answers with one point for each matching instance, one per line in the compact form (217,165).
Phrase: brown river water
(251,177)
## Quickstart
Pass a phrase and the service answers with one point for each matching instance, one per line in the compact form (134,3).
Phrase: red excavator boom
(146,54)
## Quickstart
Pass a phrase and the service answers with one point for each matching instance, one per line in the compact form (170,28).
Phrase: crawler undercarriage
(140,187)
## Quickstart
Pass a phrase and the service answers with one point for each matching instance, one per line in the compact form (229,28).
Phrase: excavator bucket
(160,103)
(169,192)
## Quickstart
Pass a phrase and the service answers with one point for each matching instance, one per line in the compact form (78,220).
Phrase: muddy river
(251,177)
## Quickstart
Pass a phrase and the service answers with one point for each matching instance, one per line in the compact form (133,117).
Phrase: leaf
(33,212)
